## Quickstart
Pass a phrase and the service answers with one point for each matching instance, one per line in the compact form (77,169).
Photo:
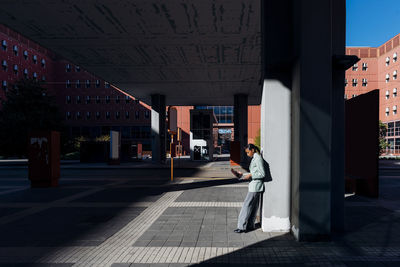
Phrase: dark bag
(267,177)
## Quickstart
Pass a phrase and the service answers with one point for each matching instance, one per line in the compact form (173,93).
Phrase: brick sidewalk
(137,221)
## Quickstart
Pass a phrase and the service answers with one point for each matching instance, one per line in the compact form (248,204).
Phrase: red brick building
(91,105)
(378,69)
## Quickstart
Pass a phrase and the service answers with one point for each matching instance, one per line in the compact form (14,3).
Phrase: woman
(248,213)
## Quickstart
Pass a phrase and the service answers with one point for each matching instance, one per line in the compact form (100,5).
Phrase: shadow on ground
(371,238)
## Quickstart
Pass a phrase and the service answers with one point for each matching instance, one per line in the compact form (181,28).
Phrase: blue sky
(371,22)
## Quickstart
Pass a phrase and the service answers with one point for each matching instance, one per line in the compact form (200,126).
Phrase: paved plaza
(137,217)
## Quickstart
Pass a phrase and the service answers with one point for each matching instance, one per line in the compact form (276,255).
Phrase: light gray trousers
(248,212)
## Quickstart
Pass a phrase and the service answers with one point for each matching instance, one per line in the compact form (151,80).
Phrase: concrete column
(240,122)
(275,145)
(338,134)
(158,128)
(311,148)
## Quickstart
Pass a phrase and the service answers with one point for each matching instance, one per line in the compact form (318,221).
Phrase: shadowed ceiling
(195,52)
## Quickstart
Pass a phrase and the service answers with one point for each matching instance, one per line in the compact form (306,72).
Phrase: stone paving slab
(67,226)
(8,211)
(4,189)
(123,195)
(76,182)
(215,194)
(15,182)
(198,227)
(39,194)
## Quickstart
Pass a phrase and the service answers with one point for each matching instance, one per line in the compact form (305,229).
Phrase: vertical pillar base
(158,128)
(240,124)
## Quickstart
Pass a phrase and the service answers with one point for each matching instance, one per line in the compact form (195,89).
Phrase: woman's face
(249,152)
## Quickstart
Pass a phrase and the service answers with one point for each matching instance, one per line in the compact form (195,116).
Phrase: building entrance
(225,136)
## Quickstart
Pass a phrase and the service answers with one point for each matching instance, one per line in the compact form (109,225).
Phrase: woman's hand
(247,177)
(238,174)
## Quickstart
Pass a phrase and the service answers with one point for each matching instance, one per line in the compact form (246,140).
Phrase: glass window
(4,45)
(15,49)
(201,126)
(390,131)
(223,109)
(146,130)
(364,82)
(126,133)
(397,128)
(364,66)
(135,132)
(397,145)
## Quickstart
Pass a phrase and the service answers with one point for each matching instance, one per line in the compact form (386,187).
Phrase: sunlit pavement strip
(206,204)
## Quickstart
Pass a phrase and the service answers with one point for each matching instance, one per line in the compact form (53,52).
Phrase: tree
(383,144)
(27,107)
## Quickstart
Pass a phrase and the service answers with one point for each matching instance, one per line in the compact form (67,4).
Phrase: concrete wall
(312,98)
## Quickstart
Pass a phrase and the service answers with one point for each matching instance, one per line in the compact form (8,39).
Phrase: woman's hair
(252,146)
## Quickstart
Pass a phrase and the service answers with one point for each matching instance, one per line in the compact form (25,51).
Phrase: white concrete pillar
(240,121)
(275,145)
(158,128)
(115,144)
